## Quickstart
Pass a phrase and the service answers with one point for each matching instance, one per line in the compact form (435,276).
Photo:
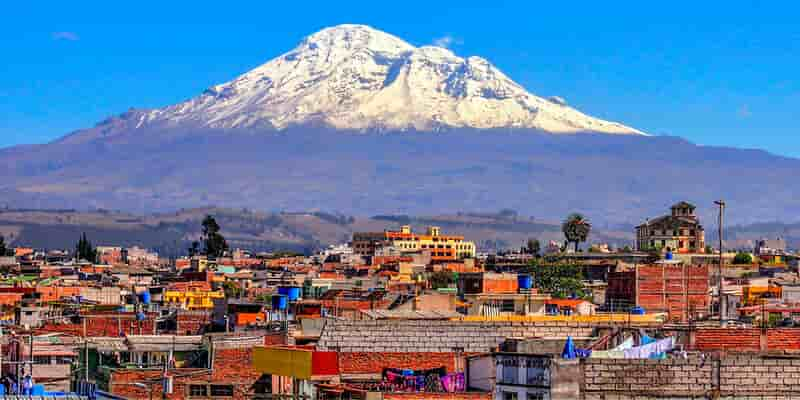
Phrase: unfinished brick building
(680,291)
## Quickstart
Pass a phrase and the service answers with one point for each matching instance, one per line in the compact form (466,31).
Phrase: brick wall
(443,396)
(753,376)
(364,363)
(740,376)
(193,322)
(746,339)
(727,339)
(678,378)
(232,366)
(106,325)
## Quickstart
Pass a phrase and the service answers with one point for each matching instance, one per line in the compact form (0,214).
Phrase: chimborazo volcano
(355,120)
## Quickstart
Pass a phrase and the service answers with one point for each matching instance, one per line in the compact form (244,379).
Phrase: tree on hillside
(84,249)
(576,229)
(743,258)
(3,248)
(533,247)
(214,243)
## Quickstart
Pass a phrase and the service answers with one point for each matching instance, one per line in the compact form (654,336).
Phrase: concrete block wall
(748,376)
(677,378)
(740,377)
(436,336)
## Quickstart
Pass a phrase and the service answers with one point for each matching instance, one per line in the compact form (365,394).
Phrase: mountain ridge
(354,77)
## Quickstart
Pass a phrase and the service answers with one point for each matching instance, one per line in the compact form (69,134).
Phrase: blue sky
(723,73)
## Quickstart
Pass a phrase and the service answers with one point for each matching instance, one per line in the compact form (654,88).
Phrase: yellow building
(198,296)
(754,295)
(441,247)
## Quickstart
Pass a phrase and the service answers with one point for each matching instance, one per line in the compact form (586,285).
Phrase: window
(222,390)
(509,396)
(198,391)
(41,359)
(507,306)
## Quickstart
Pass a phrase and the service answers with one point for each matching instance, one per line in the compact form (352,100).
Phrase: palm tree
(576,229)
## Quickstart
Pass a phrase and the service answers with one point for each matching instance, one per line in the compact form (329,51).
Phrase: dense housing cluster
(402,315)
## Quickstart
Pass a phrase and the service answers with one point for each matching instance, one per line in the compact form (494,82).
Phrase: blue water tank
(638,310)
(37,390)
(525,281)
(292,292)
(140,316)
(145,297)
(279,302)
(668,256)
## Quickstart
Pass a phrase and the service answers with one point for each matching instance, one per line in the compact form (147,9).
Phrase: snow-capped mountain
(356,77)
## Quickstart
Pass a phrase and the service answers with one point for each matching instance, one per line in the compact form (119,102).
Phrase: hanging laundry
(626,344)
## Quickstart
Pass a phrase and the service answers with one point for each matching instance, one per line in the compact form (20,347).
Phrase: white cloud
(66,35)
(446,41)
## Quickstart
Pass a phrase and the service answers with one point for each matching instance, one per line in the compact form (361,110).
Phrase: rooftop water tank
(292,292)
(525,281)
(279,302)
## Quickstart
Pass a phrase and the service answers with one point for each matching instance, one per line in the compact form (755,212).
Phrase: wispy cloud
(447,41)
(66,35)
(744,112)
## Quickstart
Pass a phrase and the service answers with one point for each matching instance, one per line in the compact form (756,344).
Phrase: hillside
(171,233)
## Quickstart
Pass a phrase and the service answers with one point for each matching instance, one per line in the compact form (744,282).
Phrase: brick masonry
(442,396)
(232,365)
(372,363)
(746,339)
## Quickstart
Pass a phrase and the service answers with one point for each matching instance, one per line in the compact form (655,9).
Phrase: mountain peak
(355,77)
(351,36)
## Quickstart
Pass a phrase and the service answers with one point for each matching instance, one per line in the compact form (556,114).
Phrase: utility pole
(722,305)
(85,352)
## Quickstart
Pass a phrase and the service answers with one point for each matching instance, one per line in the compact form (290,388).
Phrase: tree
(3,249)
(231,289)
(214,243)
(84,249)
(560,280)
(576,229)
(743,258)
(195,249)
(441,279)
(534,247)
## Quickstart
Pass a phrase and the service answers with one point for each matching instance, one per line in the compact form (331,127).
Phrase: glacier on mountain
(357,78)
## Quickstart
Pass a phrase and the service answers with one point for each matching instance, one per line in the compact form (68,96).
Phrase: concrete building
(679,232)
(441,247)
